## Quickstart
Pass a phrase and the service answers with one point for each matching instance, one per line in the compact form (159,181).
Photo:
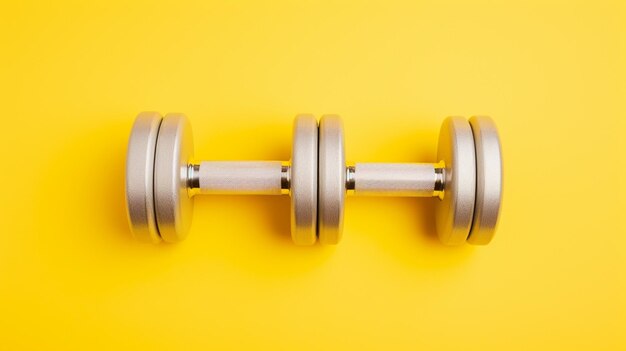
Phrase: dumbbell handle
(272,178)
(395,179)
(239,177)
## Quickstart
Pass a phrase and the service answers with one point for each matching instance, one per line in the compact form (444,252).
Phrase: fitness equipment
(162,178)
(467,180)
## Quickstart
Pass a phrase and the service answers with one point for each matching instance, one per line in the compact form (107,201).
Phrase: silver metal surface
(489,180)
(285,178)
(304,180)
(455,211)
(161,179)
(193,179)
(332,179)
(139,176)
(395,179)
(440,181)
(240,177)
(173,203)
(350,179)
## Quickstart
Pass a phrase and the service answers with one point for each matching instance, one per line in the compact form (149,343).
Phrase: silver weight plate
(488,181)
(304,180)
(455,211)
(173,204)
(139,176)
(332,179)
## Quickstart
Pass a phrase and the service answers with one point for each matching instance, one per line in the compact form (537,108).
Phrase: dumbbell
(466,180)
(162,178)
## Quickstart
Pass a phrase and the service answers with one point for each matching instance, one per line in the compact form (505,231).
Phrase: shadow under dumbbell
(230,217)
(253,233)
(403,229)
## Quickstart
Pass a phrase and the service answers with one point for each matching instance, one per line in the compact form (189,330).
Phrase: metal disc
(304,180)
(174,206)
(139,176)
(332,179)
(455,211)
(488,181)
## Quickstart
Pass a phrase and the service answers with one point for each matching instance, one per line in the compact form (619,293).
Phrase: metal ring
(304,180)
(174,206)
(139,176)
(488,181)
(454,213)
(332,179)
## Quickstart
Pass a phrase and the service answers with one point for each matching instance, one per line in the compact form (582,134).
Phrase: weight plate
(174,206)
(304,180)
(139,176)
(488,180)
(455,211)
(332,179)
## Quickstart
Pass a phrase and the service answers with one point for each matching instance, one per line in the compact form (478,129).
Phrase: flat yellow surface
(75,74)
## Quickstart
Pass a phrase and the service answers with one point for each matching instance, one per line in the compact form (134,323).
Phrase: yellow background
(75,74)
